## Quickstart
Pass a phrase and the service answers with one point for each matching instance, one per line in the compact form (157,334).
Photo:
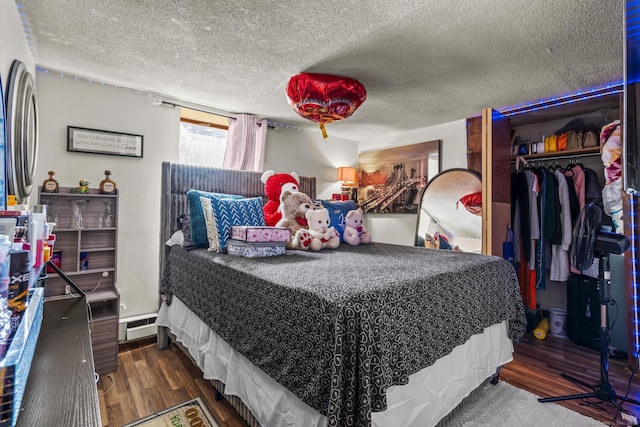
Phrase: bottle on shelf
(107,185)
(50,185)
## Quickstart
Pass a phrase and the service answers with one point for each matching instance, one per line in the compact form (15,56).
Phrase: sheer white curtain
(245,143)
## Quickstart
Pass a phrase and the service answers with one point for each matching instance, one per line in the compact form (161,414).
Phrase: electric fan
(589,242)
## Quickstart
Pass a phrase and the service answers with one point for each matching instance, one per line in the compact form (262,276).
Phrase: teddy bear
(294,206)
(274,185)
(354,232)
(323,235)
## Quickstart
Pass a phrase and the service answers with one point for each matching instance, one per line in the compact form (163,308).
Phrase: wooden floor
(149,380)
(538,366)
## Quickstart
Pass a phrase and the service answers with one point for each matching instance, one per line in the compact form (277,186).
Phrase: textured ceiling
(423,62)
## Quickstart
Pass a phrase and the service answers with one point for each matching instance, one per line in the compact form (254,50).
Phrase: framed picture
(104,142)
(392,180)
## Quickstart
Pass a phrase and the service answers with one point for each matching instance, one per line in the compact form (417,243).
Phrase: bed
(373,334)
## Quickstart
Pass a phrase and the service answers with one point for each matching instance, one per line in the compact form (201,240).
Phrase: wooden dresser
(61,387)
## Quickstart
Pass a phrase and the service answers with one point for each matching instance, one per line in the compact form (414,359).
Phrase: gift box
(255,249)
(249,233)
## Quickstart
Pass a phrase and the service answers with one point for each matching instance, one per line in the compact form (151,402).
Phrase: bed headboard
(177,179)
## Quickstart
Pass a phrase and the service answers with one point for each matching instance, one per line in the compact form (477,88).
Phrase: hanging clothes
(577,174)
(559,268)
(520,215)
(540,250)
(574,203)
(611,156)
(550,199)
(593,189)
(533,190)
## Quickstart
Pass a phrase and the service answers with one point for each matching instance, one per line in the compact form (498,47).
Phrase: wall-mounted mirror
(451,211)
(22,131)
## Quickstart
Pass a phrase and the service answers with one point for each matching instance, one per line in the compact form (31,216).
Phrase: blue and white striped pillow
(224,213)
(198,225)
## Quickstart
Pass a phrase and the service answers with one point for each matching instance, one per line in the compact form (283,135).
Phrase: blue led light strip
(581,96)
(634,274)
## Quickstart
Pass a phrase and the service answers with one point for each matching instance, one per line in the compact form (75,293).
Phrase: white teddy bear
(354,232)
(322,234)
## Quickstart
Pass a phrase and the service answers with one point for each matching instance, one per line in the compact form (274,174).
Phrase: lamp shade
(347,174)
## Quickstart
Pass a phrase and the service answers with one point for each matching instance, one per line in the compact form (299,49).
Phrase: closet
(501,133)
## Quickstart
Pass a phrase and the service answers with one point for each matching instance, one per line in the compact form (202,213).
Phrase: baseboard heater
(137,327)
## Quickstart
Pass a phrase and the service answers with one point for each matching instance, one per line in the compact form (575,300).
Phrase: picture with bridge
(392,180)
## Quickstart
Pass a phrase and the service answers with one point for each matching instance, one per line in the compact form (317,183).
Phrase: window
(203,138)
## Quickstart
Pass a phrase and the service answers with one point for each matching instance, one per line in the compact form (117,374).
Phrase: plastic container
(84,261)
(557,322)
(541,329)
(39,216)
(19,283)
(5,313)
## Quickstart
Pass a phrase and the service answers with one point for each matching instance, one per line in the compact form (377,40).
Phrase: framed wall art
(104,142)
(392,180)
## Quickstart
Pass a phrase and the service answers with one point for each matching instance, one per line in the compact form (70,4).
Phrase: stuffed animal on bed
(274,185)
(354,232)
(323,235)
(294,206)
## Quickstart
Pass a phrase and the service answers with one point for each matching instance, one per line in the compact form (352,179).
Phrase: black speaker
(583,311)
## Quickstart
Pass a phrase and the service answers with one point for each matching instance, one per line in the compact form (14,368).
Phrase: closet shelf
(560,154)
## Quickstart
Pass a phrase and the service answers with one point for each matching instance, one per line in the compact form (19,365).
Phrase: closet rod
(558,157)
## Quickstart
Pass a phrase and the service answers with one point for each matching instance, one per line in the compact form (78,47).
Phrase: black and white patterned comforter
(338,327)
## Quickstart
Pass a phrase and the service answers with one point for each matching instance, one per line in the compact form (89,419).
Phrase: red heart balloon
(324,98)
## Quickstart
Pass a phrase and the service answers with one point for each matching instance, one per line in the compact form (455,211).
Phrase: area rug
(191,413)
(505,405)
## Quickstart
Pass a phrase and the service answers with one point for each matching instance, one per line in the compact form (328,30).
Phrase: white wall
(401,228)
(65,101)
(308,154)
(14,42)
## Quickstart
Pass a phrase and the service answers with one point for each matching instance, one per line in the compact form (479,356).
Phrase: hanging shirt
(577,173)
(559,269)
(550,214)
(540,251)
(593,189)
(520,214)
(534,218)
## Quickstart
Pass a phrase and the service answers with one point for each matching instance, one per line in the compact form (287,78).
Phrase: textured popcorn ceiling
(423,62)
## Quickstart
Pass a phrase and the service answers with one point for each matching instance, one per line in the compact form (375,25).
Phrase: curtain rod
(227,115)
(197,108)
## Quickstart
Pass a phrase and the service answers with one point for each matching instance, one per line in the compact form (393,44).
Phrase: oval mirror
(22,132)
(450,213)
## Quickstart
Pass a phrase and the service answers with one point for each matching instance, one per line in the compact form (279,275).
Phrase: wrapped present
(255,249)
(250,233)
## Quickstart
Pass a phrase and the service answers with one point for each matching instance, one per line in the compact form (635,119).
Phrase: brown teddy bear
(294,206)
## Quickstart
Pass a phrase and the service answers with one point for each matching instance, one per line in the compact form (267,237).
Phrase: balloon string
(323,130)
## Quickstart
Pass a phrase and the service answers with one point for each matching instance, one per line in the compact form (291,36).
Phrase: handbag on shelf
(590,139)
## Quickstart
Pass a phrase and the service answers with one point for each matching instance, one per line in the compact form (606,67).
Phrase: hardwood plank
(538,365)
(149,380)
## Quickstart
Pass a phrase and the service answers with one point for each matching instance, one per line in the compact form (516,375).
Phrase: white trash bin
(557,322)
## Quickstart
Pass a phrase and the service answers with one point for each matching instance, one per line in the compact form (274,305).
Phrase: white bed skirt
(430,394)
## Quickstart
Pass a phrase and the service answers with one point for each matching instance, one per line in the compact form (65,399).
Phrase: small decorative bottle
(50,185)
(107,186)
